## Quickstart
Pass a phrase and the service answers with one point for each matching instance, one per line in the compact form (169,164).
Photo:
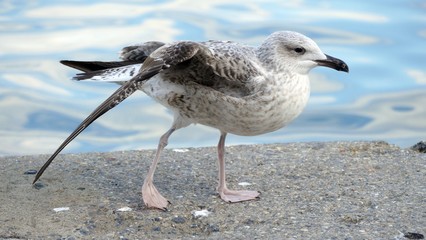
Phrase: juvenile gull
(234,88)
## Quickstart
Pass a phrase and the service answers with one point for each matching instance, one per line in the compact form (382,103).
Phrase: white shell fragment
(124,209)
(61,209)
(244,184)
(181,150)
(201,213)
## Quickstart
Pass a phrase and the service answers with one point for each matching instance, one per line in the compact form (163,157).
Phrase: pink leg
(150,195)
(226,194)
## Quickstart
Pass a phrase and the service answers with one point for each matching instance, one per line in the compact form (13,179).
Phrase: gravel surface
(335,190)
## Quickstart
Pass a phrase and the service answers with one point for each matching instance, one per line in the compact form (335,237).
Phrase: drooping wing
(149,69)
(155,63)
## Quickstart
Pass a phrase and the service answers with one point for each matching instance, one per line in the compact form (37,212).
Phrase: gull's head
(296,52)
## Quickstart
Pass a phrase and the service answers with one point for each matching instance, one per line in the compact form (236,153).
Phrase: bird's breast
(265,111)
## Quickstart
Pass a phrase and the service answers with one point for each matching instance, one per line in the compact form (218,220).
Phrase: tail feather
(90,66)
(104,71)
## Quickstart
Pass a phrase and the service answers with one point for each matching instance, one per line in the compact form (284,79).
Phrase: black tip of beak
(334,63)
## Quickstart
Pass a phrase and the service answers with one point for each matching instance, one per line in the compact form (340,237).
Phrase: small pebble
(249,222)
(90,224)
(157,229)
(213,228)
(411,235)
(178,219)
(420,147)
(84,231)
(30,172)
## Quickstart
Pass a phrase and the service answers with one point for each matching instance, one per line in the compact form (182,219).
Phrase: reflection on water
(382,98)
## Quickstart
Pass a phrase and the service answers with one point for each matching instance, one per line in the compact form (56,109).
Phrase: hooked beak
(334,63)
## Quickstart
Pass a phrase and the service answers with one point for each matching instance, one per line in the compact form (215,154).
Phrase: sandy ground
(336,190)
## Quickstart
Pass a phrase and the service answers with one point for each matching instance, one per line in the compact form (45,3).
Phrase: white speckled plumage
(231,87)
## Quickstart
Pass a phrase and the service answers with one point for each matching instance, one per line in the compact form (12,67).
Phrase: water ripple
(381,99)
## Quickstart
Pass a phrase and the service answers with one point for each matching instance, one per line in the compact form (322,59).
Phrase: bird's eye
(300,50)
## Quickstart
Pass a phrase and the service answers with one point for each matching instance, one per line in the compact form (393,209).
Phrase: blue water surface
(382,98)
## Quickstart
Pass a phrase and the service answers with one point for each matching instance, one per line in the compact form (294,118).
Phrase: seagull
(229,86)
